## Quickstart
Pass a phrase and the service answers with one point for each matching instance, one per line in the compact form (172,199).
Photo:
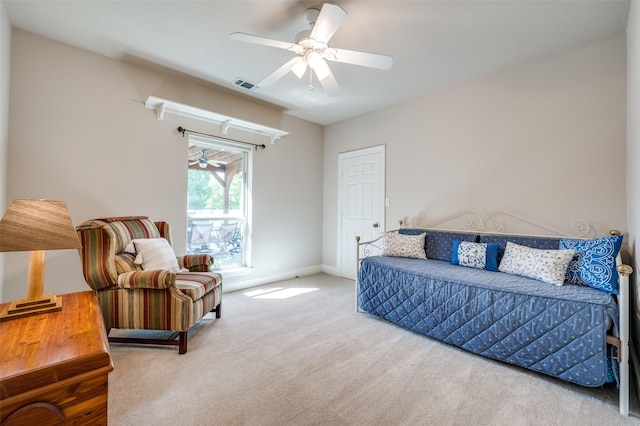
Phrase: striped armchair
(133,298)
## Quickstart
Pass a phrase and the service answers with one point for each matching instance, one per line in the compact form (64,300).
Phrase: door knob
(375,225)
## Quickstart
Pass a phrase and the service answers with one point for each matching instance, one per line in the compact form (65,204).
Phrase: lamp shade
(37,225)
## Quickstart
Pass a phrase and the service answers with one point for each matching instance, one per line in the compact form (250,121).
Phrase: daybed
(553,305)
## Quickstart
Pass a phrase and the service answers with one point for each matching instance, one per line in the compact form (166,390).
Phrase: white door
(361,204)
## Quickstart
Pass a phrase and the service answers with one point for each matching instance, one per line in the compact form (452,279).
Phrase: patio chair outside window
(200,236)
(229,238)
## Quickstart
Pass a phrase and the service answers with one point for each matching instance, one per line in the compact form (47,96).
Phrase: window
(218,201)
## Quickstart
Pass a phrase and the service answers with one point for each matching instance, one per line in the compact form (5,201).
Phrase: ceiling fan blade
(278,74)
(371,60)
(330,85)
(260,40)
(330,18)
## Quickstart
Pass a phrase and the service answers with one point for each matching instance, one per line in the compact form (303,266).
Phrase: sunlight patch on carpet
(278,292)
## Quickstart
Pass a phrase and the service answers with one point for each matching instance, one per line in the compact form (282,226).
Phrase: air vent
(245,84)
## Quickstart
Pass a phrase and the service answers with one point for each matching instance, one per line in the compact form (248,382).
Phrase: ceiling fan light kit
(312,50)
(299,68)
(203,162)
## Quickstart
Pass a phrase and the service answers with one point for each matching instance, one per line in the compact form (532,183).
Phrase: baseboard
(241,284)
(331,270)
(635,368)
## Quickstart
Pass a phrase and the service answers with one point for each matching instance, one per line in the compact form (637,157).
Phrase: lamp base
(25,307)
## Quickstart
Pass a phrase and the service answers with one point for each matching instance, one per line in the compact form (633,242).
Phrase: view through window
(218,211)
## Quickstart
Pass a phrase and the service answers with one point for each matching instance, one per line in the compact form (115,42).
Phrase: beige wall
(633,160)
(80,133)
(545,140)
(5,65)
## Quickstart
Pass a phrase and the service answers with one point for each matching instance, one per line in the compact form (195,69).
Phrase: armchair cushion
(156,279)
(196,285)
(127,228)
(125,263)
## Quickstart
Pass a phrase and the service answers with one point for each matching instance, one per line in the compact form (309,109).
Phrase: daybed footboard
(623,335)
(560,331)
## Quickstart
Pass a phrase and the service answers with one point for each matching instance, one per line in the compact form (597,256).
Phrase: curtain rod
(183,131)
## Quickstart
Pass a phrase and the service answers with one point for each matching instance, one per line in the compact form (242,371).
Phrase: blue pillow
(488,259)
(594,263)
(438,243)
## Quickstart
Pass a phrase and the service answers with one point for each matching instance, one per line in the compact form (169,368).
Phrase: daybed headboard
(497,222)
(491,222)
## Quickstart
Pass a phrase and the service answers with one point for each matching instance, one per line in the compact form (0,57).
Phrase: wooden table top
(43,349)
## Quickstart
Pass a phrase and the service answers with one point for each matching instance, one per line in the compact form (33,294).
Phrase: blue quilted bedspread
(559,331)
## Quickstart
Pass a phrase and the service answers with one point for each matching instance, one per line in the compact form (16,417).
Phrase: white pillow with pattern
(473,255)
(402,245)
(549,266)
(155,253)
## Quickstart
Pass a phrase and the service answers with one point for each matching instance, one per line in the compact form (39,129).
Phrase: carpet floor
(297,353)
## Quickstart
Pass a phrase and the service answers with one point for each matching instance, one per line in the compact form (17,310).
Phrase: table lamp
(36,226)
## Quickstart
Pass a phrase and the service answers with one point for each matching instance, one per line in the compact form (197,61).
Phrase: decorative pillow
(594,263)
(549,266)
(544,243)
(155,253)
(400,245)
(475,255)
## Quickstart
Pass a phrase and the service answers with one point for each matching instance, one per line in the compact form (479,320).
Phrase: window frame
(247,150)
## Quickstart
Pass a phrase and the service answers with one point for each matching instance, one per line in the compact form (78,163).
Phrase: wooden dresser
(54,367)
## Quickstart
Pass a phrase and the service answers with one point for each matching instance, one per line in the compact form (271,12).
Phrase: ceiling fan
(312,50)
(203,161)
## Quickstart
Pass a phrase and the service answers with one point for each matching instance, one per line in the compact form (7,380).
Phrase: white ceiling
(433,43)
